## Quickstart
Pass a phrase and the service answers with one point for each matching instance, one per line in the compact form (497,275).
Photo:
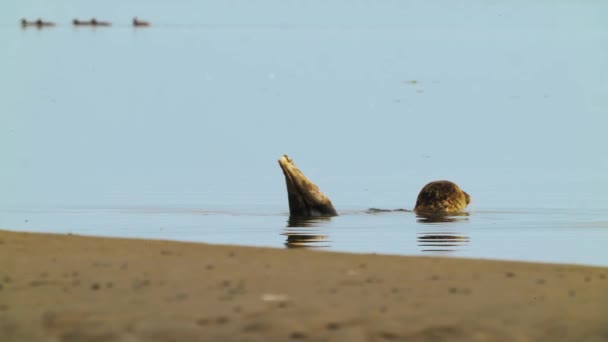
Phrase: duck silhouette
(140,23)
(39,23)
(92,22)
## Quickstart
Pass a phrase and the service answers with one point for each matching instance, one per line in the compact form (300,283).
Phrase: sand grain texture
(73,288)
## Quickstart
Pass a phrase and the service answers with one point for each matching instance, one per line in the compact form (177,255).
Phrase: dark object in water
(77,22)
(38,23)
(140,23)
(305,198)
(441,197)
(92,22)
(435,201)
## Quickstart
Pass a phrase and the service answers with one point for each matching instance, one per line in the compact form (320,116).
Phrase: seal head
(441,197)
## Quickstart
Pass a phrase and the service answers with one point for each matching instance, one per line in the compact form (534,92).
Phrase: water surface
(173,131)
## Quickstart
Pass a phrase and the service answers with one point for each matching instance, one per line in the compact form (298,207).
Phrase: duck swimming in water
(140,23)
(92,22)
(77,22)
(38,23)
(306,200)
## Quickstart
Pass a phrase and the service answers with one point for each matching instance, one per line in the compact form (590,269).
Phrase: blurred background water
(173,131)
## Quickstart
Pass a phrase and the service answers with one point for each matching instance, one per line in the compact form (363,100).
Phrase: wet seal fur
(305,198)
(441,197)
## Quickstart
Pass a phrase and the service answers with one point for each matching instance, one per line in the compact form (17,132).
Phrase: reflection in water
(307,221)
(442,239)
(305,232)
(381,211)
(440,218)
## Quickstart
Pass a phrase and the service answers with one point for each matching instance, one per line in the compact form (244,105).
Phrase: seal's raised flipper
(305,198)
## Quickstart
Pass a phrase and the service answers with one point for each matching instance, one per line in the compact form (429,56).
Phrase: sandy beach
(75,288)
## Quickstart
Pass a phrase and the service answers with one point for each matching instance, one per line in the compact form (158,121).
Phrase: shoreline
(81,288)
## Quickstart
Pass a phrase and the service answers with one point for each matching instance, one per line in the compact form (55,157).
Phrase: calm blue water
(173,131)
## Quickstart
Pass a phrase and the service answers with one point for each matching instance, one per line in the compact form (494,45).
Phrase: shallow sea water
(541,235)
(173,131)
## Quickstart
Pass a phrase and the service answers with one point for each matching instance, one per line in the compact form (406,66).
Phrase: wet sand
(74,288)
